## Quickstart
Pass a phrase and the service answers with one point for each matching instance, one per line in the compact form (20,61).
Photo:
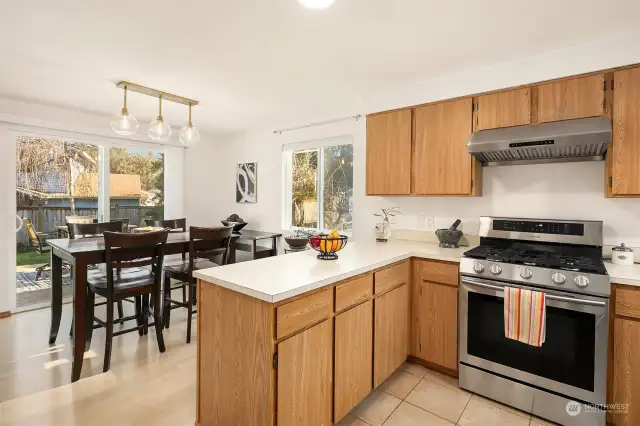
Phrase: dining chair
(205,244)
(173,259)
(134,269)
(124,221)
(177,224)
(37,240)
(86,230)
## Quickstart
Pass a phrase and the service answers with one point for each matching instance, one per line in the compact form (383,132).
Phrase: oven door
(573,359)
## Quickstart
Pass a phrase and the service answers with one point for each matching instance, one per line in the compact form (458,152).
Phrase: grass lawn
(31,258)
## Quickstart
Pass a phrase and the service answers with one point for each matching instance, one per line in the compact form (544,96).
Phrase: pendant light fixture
(158,129)
(125,124)
(189,135)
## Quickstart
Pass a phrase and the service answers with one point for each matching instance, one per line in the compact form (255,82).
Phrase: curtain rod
(351,117)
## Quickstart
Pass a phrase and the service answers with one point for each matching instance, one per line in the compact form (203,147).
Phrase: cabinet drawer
(353,292)
(627,302)
(439,272)
(391,277)
(303,312)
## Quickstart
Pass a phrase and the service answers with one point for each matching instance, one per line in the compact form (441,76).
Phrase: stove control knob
(495,269)
(558,278)
(526,273)
(581,281)
(478,267)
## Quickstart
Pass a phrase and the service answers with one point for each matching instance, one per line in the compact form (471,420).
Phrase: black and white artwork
(246,183)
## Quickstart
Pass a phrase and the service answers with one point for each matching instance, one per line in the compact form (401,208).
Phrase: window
(319,184)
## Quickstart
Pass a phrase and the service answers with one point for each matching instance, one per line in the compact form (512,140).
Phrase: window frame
(287,153)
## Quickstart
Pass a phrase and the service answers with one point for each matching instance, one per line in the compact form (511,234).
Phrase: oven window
(567,355)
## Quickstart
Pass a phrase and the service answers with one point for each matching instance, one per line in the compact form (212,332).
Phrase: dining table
(80,253)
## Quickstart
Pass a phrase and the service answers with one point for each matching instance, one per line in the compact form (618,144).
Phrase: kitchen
(408,105)
(565,120)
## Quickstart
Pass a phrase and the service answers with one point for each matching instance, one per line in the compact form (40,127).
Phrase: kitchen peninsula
(293,340)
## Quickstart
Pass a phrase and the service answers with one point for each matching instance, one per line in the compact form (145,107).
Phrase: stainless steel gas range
(564,380)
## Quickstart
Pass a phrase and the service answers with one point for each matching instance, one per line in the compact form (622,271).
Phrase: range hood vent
(584,139)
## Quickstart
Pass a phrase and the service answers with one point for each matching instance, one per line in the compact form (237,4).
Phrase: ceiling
(255,63)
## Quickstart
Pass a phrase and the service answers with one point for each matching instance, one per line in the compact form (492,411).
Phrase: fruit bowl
(327,245)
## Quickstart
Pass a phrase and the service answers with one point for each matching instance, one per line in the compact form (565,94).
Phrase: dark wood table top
(96,244)
(248,234)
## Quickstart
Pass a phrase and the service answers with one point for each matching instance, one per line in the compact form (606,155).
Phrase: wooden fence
(46,219)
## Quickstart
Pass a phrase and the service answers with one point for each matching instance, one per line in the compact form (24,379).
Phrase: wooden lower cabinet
(353,349)
(390,333)
(626,387)
(434,323)
(305,377)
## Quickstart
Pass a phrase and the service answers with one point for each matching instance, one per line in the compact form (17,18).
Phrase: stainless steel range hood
(584,139)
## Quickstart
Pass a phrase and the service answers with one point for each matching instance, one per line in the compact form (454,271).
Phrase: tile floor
(417,396)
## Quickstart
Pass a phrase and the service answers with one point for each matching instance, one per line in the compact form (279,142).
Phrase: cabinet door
(391,333)
(389,153)
(434,317)
(353,358)
(441,163)
(626,133)
(504,109)
(626,366)
(570,99)
(305,377)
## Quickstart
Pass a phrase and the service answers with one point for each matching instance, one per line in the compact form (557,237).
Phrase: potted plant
(299,239)
(383,229)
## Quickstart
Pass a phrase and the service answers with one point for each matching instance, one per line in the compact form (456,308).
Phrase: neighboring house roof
(53,184)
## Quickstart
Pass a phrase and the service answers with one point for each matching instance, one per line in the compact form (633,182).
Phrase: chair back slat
(31,231)
(207,243)
(170,223)
(81,230)
(124,250)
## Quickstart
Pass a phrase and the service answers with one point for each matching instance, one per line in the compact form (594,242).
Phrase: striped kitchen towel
(524,316)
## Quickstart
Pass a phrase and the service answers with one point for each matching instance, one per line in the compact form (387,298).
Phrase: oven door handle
(547,296)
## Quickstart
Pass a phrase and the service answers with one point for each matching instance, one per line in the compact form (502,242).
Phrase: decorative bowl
(237,226)
(296,243)
(327,247)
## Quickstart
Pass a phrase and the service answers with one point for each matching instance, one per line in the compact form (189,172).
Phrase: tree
(38,161)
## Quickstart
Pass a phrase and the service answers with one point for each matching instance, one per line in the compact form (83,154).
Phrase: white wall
(569,191)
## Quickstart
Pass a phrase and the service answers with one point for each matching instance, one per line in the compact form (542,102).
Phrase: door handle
(21,222)
(547,296)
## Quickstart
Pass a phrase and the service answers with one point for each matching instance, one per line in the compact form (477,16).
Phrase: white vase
(382,232)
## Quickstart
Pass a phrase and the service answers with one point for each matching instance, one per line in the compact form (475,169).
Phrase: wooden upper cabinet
(441,163)
(389,153)
(305,377)
(626,133)
(570,99)
(504,109)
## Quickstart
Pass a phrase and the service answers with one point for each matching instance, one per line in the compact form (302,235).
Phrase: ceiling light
(158,129)
(125,124)
(316,4)
(189,135)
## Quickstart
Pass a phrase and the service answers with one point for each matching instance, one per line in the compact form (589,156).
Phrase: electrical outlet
(429,223)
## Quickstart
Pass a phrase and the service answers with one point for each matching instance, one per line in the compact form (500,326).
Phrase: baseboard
(434,367)
(5,314)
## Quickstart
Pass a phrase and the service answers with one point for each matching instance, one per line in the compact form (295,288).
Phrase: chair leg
(157,319)
(138,300)
(120,309)
(166,310)
(89,310)
(145,314)
(71,329)
(184,294)
(189,312)
(109,336)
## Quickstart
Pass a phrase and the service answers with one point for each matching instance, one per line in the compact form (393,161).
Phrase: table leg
(274,246)
(231,256)
(79,325)
(56,297)
(254,248)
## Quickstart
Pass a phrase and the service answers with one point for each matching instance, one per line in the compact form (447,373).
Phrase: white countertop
(277,278)
(623,274)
